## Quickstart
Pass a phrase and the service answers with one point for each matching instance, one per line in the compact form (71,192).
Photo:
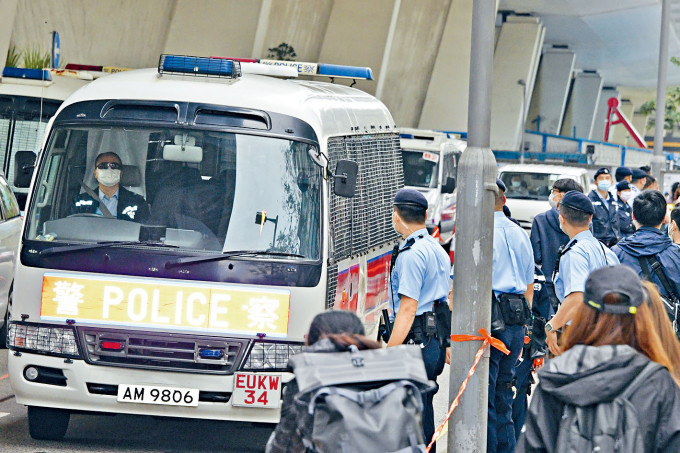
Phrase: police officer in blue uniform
(605,220)
(111,199)
(624,212)
(512,283)
(419,281)
(582,255)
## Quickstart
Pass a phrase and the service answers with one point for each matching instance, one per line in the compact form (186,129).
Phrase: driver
(517,186)
(120,202)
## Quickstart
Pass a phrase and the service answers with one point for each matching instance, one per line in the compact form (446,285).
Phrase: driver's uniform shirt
(110,203)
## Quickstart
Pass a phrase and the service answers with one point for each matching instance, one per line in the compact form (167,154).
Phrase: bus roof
(330,109)
(59,88)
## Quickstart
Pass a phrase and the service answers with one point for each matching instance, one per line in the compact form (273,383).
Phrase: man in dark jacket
(649,211)
(112,200)
(546,235)
(624,212)
(605,221)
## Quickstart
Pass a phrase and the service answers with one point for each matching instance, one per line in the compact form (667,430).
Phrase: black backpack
(671,303)
(611,427)
(361,401)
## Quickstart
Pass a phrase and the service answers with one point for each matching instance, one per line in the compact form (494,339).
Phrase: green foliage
(13,57)
(35,58)
(672,118)
(283,51)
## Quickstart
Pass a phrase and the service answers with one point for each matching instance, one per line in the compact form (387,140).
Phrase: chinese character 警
(68,296)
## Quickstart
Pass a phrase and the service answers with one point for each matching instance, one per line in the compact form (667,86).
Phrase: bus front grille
(162,351)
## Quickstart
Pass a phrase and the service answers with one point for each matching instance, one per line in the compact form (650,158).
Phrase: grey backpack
(361,401)
(612,427)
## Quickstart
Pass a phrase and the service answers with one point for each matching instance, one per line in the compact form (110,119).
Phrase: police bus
(270,201)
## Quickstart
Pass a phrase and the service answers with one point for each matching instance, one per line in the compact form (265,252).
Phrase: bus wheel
(46,423)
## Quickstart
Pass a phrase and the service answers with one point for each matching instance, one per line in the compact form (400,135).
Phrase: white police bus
(258,221)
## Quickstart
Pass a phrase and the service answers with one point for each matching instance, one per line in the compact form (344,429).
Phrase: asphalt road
(125,433)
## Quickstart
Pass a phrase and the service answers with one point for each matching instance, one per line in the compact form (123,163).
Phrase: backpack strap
(657,268)
(367,396)
(640,379)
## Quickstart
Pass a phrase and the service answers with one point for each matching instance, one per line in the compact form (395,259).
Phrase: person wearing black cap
(605,221)
(419,280)
(621,174)
(582,255)
(612,351)
(624,212)
(649,245)
(637,183)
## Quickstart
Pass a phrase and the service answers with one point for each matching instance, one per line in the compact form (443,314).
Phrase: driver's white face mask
(108,177)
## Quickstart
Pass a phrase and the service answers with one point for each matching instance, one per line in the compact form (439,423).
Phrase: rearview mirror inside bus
(346,178)
(24,163)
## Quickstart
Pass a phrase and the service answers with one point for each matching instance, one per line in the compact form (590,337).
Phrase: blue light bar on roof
(350,72)
(31,74)
(199,66)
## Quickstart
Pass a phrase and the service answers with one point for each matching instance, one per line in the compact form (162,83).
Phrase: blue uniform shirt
(586,255)
(110,203)
(513,258)
(421,273)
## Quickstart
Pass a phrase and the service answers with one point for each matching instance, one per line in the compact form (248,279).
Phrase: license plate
(257,390)
(152,394)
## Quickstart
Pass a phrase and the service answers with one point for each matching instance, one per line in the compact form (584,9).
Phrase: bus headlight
(270,356)
(44,339)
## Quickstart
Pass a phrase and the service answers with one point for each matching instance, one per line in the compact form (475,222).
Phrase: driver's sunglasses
(109,165)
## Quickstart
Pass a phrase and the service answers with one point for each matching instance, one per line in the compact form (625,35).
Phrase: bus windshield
(211,192)
(421,168)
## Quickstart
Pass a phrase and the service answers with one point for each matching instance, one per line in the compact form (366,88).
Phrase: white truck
(431,166)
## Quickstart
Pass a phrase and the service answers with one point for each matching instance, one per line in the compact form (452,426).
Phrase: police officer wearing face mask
(110,200)
(605,220)
(419,281)
(624,211)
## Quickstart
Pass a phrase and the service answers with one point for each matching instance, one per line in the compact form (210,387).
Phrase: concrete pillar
(549,99)
(417,37)
(231,25)
(8,9)
(446,101)
(357,35)
(583,102)
(600,119)
(299,23)
(516,58)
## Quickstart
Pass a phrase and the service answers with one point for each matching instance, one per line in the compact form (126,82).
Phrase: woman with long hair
(669,340)
(613,337)
(330,331)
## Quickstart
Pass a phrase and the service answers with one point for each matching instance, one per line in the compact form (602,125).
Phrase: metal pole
(658,160)
(523,84)
(474,242)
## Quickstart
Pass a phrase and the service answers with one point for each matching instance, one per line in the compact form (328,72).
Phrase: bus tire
(46,423)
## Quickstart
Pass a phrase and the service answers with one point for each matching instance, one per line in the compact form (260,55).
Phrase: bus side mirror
(345,178)
(24,164)
(450,185)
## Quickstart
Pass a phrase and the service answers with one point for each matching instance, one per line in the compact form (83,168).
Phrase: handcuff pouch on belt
(508,310)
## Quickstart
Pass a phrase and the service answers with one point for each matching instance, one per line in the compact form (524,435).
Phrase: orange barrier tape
(488,339)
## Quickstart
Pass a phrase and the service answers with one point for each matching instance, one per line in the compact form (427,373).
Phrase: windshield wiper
(226,255)
(80,247)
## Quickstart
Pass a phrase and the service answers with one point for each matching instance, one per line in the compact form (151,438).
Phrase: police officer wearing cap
(582,255)
(512,280)
(605,220)
(624,212)
(419,281)
(637,184)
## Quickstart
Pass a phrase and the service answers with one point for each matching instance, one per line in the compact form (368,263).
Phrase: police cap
(602,171)
(638,174)
(501,185)
(622,172)
(623,185)
(410,197)
(621,281)
(576,200)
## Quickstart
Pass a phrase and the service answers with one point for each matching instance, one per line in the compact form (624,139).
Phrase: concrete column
(583,102)
(600,119)
(357,35)
(552,87)
(231,25)
(8,9)
(446,101)
(516,58)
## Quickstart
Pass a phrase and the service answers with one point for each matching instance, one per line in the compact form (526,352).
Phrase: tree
(283,51)
(672,117)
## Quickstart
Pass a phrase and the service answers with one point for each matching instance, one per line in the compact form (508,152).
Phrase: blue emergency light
(30,74)
(350,72)
(199,66)
(211,353)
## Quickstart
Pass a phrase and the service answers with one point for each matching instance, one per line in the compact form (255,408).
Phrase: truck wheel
(46,423)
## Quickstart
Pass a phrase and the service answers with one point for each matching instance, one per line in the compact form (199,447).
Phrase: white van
(529,186)
(431,166)
(258,221)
